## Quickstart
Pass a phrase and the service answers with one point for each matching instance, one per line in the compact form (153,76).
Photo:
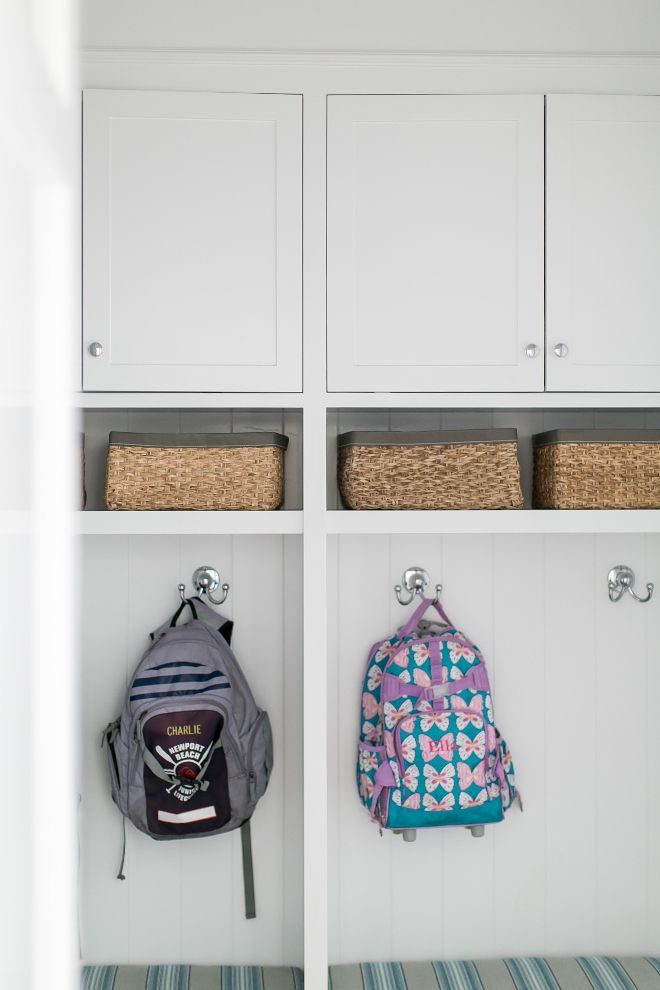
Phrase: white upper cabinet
(603,243)
(435,243)
(192,241)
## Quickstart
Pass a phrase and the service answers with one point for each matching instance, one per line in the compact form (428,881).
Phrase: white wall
(182,902)
(38,140)
(575,681)
(436,25)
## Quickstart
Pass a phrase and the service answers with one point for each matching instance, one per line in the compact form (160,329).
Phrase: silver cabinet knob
(95,349)
(531,350)
(561,350)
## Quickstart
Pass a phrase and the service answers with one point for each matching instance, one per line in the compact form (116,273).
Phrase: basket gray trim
(595,436)
(198,440)
(425,438)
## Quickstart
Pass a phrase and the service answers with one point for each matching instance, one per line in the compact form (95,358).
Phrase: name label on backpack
(184,730)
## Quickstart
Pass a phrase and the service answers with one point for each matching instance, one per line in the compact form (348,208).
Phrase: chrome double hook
(206,580)
(621,579)
(416,581)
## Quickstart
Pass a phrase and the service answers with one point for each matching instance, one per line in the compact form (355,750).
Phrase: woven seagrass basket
(597,469)
(439,469)
(195,471)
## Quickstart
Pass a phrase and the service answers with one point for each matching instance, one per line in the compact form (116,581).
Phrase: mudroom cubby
(98,423)
(184,900)
(304,218)
(575,679)
(526,421)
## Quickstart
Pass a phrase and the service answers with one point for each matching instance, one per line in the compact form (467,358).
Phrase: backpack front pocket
(185,773)
(442,771)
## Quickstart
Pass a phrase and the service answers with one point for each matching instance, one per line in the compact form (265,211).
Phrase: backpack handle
(419,613)
(177,614)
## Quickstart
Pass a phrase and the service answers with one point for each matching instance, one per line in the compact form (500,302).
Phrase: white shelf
(187,523)
(187,400)
(497,521)
(367,400)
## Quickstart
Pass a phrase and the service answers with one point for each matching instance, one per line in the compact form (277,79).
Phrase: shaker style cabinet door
(192,242)
(603,243)
(435,243)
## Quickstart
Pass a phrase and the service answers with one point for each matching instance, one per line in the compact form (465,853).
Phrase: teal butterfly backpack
(429,754)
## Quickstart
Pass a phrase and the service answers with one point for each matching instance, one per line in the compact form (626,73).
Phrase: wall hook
(416,581)
(206,580)
(621,579)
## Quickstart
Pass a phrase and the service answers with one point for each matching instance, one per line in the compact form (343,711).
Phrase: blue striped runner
(98,977)
(457,976)
(242,978)
(532,974)
(383,976)
(168,978)
(605,973)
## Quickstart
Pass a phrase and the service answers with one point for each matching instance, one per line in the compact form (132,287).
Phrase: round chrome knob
(561,350)
(95,349)
(532,350)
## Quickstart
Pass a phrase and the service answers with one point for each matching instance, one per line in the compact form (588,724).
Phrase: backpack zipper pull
(253,786)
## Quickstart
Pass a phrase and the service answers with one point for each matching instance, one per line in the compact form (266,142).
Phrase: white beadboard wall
(576,682)
(182,902)
(98,423)
(526,421)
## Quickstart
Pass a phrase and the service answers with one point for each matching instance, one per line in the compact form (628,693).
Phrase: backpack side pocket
(110,734)
(259,757)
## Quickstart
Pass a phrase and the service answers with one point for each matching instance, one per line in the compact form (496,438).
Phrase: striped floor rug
(191,978)
(583,973)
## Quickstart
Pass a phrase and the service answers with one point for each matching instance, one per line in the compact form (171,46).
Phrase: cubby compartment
(98,423)
(526,421)
(575,680)
(182,902)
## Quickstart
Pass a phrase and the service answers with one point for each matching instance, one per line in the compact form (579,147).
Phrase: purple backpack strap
(419,613)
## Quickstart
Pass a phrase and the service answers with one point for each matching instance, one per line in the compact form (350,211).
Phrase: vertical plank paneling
(652,621)
(622,728)
(335,807)
(578,872)
(468,862)
(259,641)
(364,857)
(292,752)
(209,911)
(183,901)
(104,900)
(572,586)
(153,868)
(425,856)
(518,682)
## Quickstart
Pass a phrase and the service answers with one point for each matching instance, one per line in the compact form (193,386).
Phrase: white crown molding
(449,60)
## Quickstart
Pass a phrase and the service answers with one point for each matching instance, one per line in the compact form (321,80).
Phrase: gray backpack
(191,753)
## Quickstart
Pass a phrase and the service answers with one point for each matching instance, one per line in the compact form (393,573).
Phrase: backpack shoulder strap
(419,613)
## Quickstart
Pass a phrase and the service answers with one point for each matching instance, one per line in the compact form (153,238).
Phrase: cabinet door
(603,243)
(435,243)
(192,241)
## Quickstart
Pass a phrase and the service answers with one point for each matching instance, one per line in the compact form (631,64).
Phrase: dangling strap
(248,870)
(120,875)
(419,613)
(175,617)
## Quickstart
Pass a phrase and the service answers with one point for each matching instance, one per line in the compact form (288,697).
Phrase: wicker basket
(597,469)
(447,469)
(195,471)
